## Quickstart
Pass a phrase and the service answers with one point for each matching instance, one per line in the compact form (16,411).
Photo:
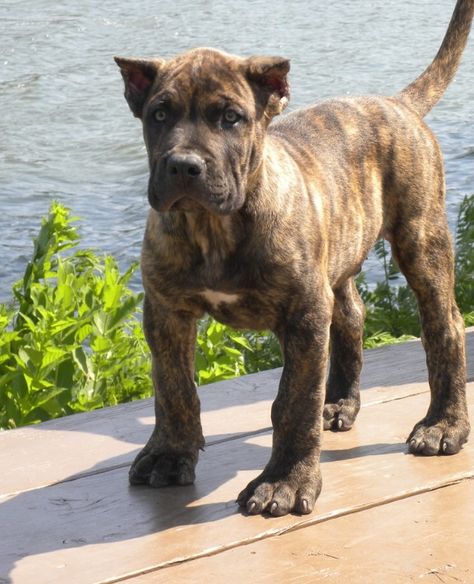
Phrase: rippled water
(66,131)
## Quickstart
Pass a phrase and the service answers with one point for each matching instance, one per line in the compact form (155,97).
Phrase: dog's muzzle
(186,181)
(175,177)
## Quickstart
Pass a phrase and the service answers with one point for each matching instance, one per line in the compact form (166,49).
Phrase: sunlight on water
(66,131)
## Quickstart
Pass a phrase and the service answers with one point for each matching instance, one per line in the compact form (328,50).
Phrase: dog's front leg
(171,453)
(291,481)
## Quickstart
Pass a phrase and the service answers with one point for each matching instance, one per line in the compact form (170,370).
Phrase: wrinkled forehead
(205,74)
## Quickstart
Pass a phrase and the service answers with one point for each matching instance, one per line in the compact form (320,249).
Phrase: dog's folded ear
(269,76)
(139,76)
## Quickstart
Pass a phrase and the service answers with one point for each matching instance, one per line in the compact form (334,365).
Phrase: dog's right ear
(139,76)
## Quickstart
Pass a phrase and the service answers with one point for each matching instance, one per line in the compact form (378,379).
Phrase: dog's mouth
(185,191)
(220,203)
(186,204)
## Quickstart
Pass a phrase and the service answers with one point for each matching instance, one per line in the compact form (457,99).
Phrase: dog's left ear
(139,76)
(269,75)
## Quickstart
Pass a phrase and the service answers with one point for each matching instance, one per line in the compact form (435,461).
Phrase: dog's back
(382,164)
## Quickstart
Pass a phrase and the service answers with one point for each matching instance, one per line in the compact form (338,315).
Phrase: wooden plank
(110,438)
(425,539)
(97,528)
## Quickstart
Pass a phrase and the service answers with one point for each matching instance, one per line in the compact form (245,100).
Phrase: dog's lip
(163,206)
(185,204)
(212,200)
(161,203)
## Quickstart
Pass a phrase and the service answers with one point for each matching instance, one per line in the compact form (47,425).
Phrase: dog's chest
(200,268)
(216,298)
(246,308)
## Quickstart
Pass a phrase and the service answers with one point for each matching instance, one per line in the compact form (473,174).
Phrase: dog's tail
(427,89)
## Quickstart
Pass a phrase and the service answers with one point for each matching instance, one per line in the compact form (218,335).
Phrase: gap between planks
(270,533)
(160,541)
(236,436)
(117,424)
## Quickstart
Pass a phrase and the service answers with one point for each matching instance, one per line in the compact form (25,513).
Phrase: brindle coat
(264,225)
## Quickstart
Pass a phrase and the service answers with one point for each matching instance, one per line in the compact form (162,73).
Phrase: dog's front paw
(160,470)
(442,437)
(281,496)
(340,416)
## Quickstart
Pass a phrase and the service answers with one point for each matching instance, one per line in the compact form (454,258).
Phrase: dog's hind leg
(425,255)
(342,401)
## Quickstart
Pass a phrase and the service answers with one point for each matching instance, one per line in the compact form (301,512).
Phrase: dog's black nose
(186,166)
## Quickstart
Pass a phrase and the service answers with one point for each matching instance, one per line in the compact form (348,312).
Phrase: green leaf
(101,344)
(40,399)
(100,319)
(81,360)
(52,355)
(232,352)
(83,332)
(126,310)
(243,342)
(62,325)
(65,376)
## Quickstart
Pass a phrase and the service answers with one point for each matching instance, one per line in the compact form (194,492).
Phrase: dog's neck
(216,237)
(213,235)
(199,234)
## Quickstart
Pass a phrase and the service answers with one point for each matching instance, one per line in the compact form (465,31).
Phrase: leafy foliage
(71,339)
(392,308)
(223,353)
(72,342)
(465,259)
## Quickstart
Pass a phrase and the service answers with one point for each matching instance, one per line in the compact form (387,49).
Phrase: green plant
(223,352)
(391,308)
(465,259)
(71,342)
(220,352)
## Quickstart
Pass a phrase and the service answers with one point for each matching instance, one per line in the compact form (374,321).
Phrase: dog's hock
(139,76)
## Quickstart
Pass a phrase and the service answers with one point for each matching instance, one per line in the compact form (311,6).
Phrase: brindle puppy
(263,224)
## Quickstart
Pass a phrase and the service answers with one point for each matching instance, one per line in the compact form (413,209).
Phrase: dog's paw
(440,437)
(341,415)
(160,470)
(280,497)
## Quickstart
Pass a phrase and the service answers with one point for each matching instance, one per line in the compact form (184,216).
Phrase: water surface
(66,132)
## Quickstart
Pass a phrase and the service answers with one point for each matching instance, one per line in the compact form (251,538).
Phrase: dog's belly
(351,239)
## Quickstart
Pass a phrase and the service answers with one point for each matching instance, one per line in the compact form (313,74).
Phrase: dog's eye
(231,116)
(160,115)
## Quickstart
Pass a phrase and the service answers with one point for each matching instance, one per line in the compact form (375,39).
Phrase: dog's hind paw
(161,470)
(340,416)
(429,439)
(280,497)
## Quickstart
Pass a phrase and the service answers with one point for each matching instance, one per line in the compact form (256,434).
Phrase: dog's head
(204,117)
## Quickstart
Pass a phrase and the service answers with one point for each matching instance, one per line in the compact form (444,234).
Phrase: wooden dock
(68,515)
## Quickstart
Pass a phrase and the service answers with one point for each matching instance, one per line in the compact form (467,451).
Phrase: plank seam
(239,436)
(210,552)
